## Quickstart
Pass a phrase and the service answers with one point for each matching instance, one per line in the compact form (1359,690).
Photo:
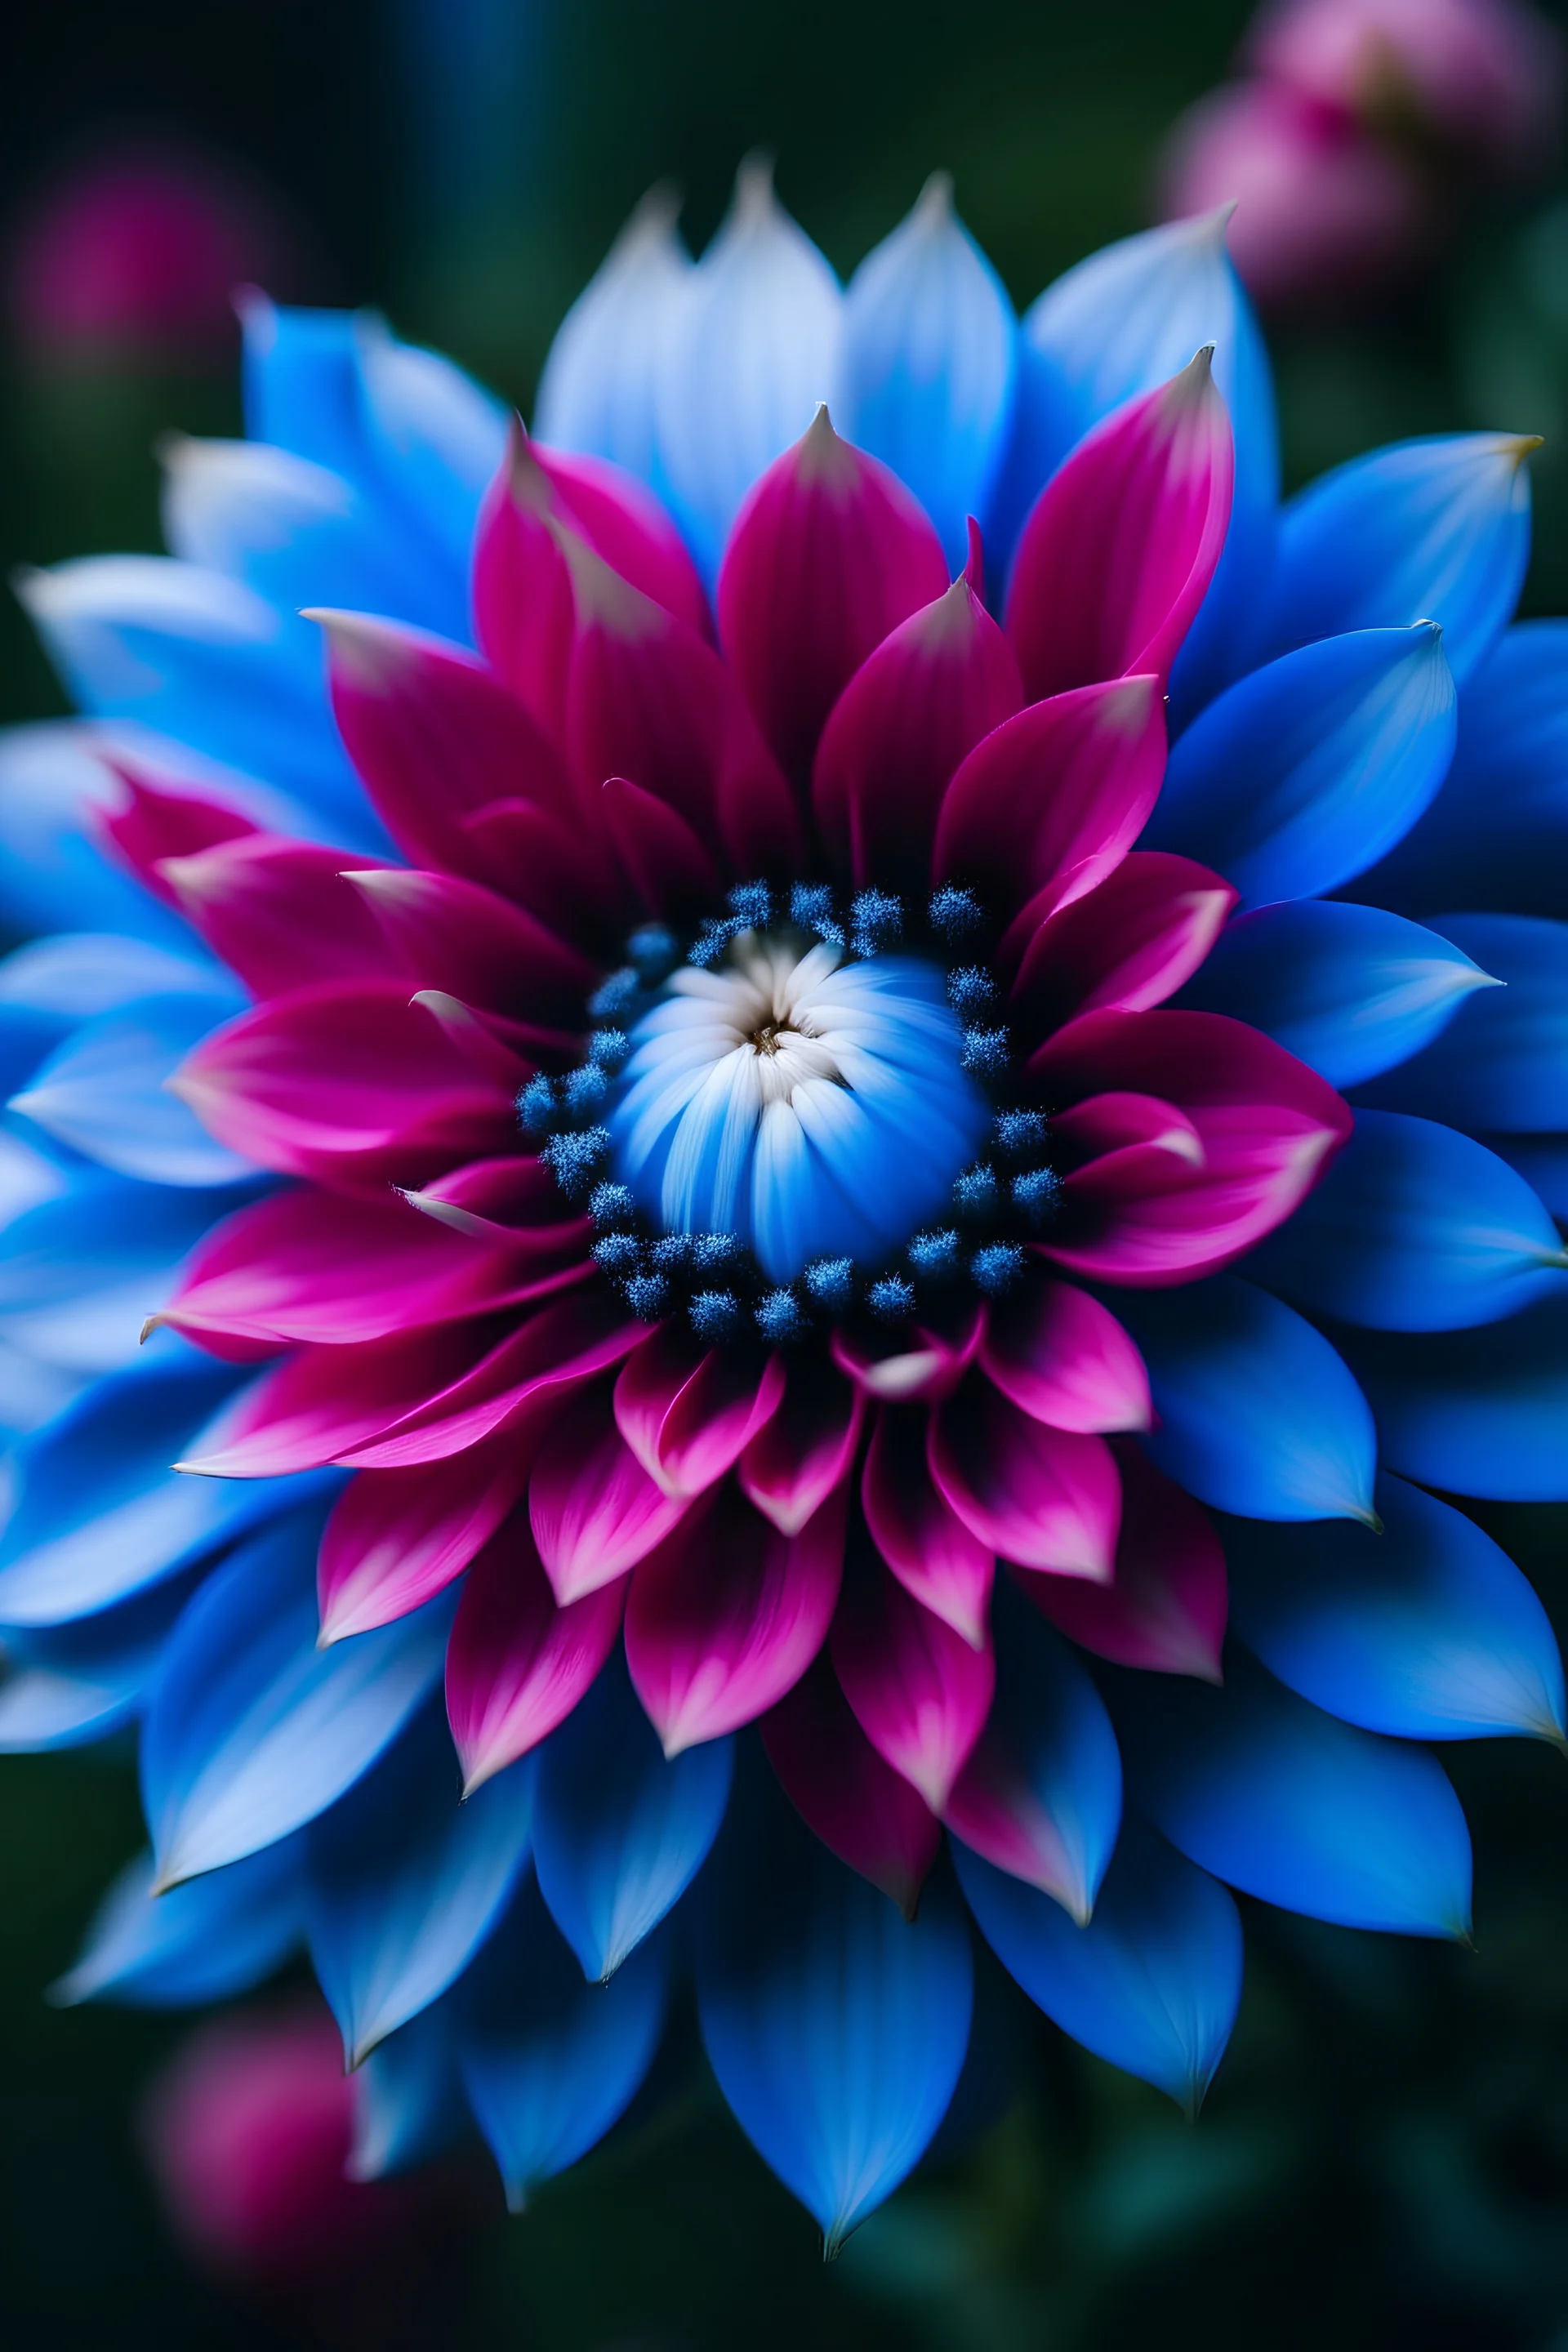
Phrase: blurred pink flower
(135,257)
(1484,76)
(1322,210)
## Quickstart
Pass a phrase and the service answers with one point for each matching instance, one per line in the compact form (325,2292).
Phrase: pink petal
(513,1198)
(996,1807)
(900,1366)
(395,1537)
(619,518)
(727,1615)
(930,1551)
(1166,1608)
(1044,1498)
(1124,1123)
(556,868)
(593,1509)
(919,1691)
(864,1811)
(910,716)
(517,1663)
(458,937)
(798,1459)
(649,700)
(828,554)
(1122,542)
(659,850)
(1049,804)
(1129,944)
(158,821)
(1064,1360)
(278,912)
(348,1083)
(319,1266)
(687,1412)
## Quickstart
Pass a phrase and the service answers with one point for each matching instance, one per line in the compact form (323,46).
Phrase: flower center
(809,1105)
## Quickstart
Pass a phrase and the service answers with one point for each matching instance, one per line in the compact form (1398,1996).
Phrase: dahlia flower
(802,1312)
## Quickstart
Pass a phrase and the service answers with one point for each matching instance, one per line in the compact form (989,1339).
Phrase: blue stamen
(713,939)
(536,1104)
(1038,1194)
(996,1268)
(586,1089)
(648,1296)
(612,1204)
(1020,1133)
(617,1254)
(892,1298)
(653,950)
(830,1284)
(609,1048)
(573,1158)
(751,903)
(970,989)
(876,921)
(780,1319)
(974,1193)
(811,910)
(715,1315)
(955,914)
(672,1251)
(615,995)
(710,1252)
(985,1052)
(934,1254)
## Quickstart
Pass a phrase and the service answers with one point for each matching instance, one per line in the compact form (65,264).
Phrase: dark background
(1384,2160)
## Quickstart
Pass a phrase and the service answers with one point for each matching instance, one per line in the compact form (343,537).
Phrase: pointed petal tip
(754,200)
(933,206)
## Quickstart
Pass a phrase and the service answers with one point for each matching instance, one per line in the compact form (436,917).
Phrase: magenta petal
(1130,944)
(1064,1360)
(1120,1123)
(279,913)
(864,1811)
(348,1083)
(552,866)
(687,1412)
(727,1615)
(828,554)
(1166,1607)
(920,1693)
(593,1509)
(1044,1498)
(930,1551)
(798,1459)
(1122,542)
(907,719)
(619,518)
(901,1365)
(649,700)
(517,1663)
(659,851)
(155,823)
(1049,804)
(458,937)
(397,1537)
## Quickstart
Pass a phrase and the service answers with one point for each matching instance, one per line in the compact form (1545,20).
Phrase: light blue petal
(1255,1412)
(600,389)
(1121,323)
(1153,1981)
(1415,1227)
(1311,768)
(105,1092)
(409,2105)
(1426,1631)
(929,363)
(1497,834)
(79,975)
(753,349)
(52,873)
(403,1881)
(205,1941)
(1350,990)
(836,2028)
(1503,1064)
(301,382)
(1437,530)
(75,1683)
(253,1730)
(1475,1413)
(437,439)
(620,1832)
(548,2062)
(1292,1805)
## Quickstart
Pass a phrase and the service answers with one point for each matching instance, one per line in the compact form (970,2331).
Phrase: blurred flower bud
(1484,77)
(1323,210)
(133,258)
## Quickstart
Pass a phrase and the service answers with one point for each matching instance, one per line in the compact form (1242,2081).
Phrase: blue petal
(1476,1412)
(753,348)
(1350,990)
(52,873)
(1414,1228)
(1289,1803)
(550,2063)
(252,1729)
(204,1941)
(1118,324)
(78,1682)
(620,1832)
(1497,834)
(1543,1161)
(836,2029)
(1426,1631)
(409,2105)
(301,382)
(403,1881)
(1053,1729)
(97,1514)
(929,363)
(599,391)
(1152,1983)
(105,1092)
(1437,530)
(1255,1412)
(436,438)
(1503,1064)
(1310,769)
